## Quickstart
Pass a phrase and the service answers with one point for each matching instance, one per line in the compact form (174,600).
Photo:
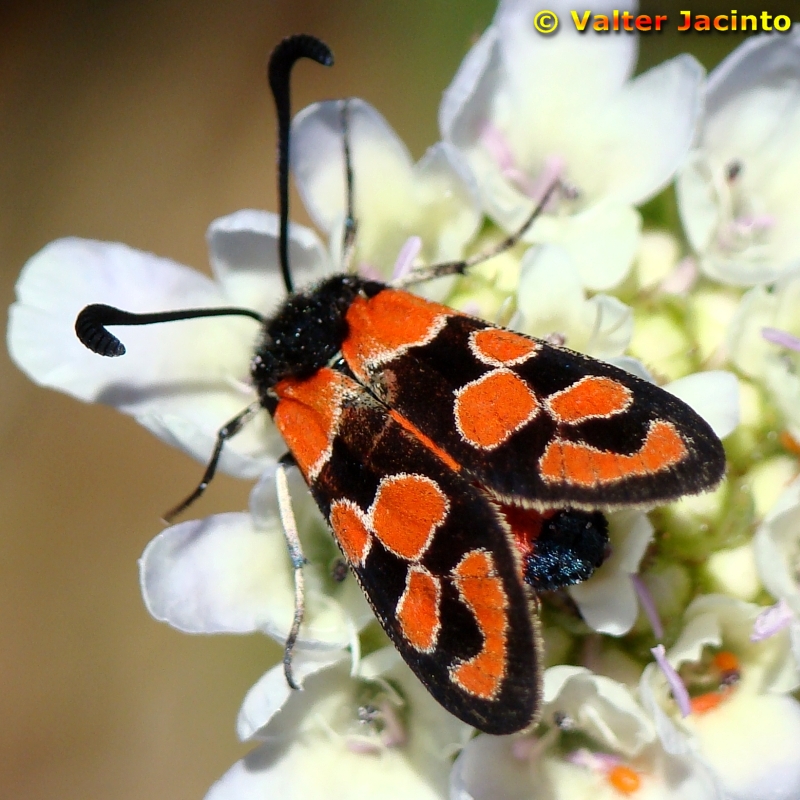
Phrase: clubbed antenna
(283,58)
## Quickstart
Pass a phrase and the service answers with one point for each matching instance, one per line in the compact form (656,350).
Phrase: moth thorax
(306,332)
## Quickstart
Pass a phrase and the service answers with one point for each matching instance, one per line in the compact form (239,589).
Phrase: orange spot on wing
(589,398)
(307,416)
(406,512)
(663,447)
(384,326)
(351,532)
(575,463)
(493,407)
(481,588)
(495,346)
(425,441)
(418,609)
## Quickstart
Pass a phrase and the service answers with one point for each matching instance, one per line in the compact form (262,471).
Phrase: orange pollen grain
(406,512)
(703,703)
(788,442)
(350,531)
(725,661)
(590,397)
(482,590)
(503,346)
(491,408)
(418,609)
(624,779)
(425,441)
(571,462)
(389,322)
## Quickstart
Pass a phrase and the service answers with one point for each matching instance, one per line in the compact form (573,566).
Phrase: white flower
(597,744)
(607,601)
(231,573)
(373,734)
(551,299)
(777,553)
(774,365)
(394,199)
(737,192)
(527,108)
(182,380)
(742,722)
(714,395)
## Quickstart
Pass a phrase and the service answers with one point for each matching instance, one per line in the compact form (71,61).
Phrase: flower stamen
(648,606)
(552,170)
(679,691)
(781,338)
(406,257)
(624,779)
(772,620)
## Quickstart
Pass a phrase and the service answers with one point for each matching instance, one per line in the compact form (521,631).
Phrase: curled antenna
(283,58)
(90,326)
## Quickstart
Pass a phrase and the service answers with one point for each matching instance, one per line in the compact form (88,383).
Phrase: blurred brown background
(141,122)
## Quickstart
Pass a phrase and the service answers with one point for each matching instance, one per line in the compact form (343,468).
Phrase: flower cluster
(673,671)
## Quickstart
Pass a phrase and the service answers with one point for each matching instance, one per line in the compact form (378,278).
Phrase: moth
(462,467)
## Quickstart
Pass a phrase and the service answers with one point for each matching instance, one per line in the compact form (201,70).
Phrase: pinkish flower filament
(679,692)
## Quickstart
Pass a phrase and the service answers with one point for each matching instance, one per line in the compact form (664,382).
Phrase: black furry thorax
(306,333)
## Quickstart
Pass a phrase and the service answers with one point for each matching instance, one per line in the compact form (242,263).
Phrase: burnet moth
(461,467)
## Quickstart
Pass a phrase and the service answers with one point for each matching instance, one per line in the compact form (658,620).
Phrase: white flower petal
(466,101)
(506,768)
(436,199)
(270,693)
(716,620)
(254,449)
(748,348)
(751,741)
(447,195)
(776,544)
(753,121)
(600,707)
(648,130)
(539,68)
(751,66)
(69,274)
(602,240)
(215,575)
(310,751)
(243,250)
(632,365)
(611,324)
(714,395)
(607,601)
(698,203)
(189,375)
(223,574)
(551,300)
(379,159)
(550,296)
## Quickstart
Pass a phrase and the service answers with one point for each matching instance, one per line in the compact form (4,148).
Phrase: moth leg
(460,267)
(298,560)
(350,224)
(227,431)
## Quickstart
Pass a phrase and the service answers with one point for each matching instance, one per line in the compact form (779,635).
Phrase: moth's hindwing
(435,560)
(528,421)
